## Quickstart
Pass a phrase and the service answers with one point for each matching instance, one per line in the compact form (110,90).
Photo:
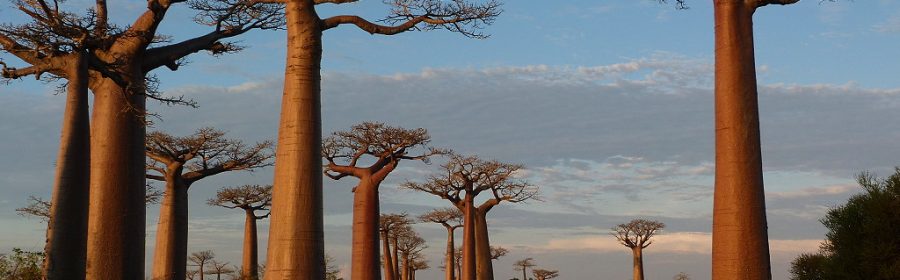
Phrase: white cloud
(813,191)
(676,242)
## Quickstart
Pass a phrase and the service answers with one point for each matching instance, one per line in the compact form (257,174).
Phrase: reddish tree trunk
(117,213)
(296,239)
(450,261)
(250,260)
(468,257)
(484,266)
(740,242)
(388,261)
(67,229)
(406,270)
(638,259)
(396,259)
(365,231)
(170,255)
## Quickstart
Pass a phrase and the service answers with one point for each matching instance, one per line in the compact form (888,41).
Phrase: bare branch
(637,233)
(459,16)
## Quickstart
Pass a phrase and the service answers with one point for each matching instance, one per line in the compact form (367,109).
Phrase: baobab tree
(497,252)
(523,265)
(250,198)
(681,276)
(636,236)
(409,244)
(200,259)
(417,263)
(296,239)
(389,225)
(464,178)
(180,162)
(544,274)
(220,268)
(451,219)
(387,146)
(118,63)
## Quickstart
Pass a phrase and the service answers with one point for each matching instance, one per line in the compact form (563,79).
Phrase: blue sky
(607,103)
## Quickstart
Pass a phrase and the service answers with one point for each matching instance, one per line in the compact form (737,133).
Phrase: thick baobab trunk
(67,229)
(388,261)
(117,213)
(296,239)
(250,260)
(740,243)
(406,270)
(484,266)
(468,257)
(450,261)
(365,231)
(637,255)
(170,254)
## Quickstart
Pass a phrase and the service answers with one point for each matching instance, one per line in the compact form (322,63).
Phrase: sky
(608,105)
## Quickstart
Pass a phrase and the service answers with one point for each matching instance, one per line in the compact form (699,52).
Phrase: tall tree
(250,198)
(295,236)
(464,178)
(417,263)
(523,265)
(200,260)
(388,224)
(180,162)
(119,60)
(544,274)
(451,219)
(636,236)
(62,40)
(409,244)
(387,146)
(220,268)
(497,252)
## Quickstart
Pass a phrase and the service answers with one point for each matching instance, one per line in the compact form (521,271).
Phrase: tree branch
(369,26)
(334,1)
(170,55)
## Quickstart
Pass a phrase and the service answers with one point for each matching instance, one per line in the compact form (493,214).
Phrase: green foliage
(862,240)
(21,265)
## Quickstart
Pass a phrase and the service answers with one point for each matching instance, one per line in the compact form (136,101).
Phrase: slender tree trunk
(250,260)
(638,257)
(170,255)
(740,242)
(117,213)
(66,248)
(396,259)
(405,275)
(484,265)
(388,261)
(296,239)
(450,258)
(469,265)
(365,231)
(200,270)
(524,273)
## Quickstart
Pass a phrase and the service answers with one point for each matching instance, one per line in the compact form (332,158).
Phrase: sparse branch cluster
(637,233)
(207,152)
(460,16)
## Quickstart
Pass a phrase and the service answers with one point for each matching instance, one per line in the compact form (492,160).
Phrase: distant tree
(251,199)
(192,274)
(523,265)
(861,242)
(417,263)
(451,219)
(388,225)
(21,265)
(297,210)
(636,235)
(809,267)
(497,252)
(462,179)
(409,244)
(681,276)
(200,260)
(220,268)
(331,268)
(180,162)
(37,207)
(544,274)
(386,146)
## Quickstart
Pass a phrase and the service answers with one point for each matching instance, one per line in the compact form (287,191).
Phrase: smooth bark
(469,264)
(66,247)
(396,258)
(170,254)
(117,213)
(638,263)
(484,266)
(365,231)
(296,241)
(450,259)
(740,242)
(388,261)
(406,269)
(250,260)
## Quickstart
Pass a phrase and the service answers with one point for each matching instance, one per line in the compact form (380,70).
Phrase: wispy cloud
(891,25)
